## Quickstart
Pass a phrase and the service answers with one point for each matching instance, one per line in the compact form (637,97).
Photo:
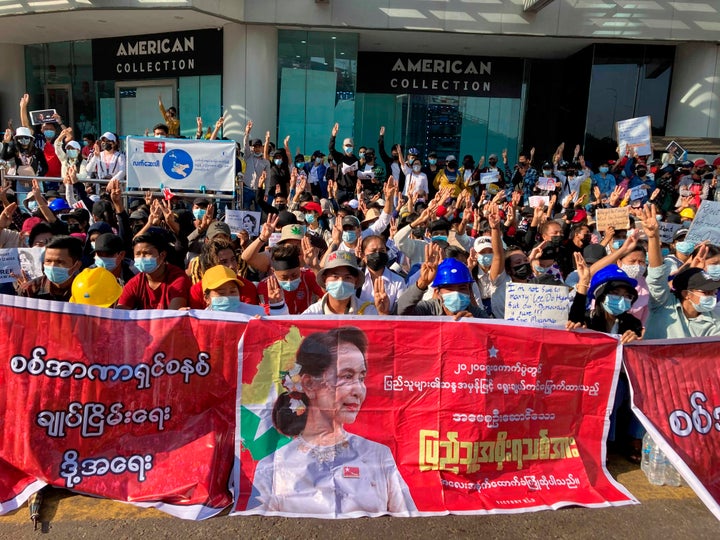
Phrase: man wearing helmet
(452,282)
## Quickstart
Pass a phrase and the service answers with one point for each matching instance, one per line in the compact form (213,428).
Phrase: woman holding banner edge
(325,471)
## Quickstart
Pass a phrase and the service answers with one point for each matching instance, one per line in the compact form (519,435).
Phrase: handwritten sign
(9,265)
(618,218)
(546,183)
(637,193)
(539,304)
(634,133)
(539,200)
(13,261)
(667,231)
(706,225)
(241,220)
(489,177)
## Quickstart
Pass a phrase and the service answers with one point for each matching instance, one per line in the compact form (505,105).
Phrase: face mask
(555,241)
(542,269)
(547,172)
(706,304)
(615,305)
(456,301)
(665,252)
(522,272)
(617,244)
(377,261)
(300,164)
(349,236)
(225,303)
(74,228)
(85,143)
(32,206)
(49,133)
(108,263)
(417,168)
(432,161)
(604,170)
(492,163)
(340,290)
(73,154)
(686,248)
(485,260)
(634,270)
(291,285)
(258,154)
(56,274)
(277,162)
(586,239)
(348,150)
(146,264)
(450,175)
(280,207)
(439,238)
(641,173)
(713,270)
(309,218)
(199,213)
(108,146)
(361,155)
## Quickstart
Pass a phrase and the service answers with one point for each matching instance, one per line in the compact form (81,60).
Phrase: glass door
(136,104)
(59,97)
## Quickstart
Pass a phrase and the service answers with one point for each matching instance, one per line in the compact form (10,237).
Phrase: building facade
(453,76)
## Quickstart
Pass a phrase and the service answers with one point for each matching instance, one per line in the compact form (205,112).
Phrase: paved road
(666,513)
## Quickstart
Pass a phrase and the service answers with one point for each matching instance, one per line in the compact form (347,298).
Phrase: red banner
(133,406)
(421,417)
(676,395)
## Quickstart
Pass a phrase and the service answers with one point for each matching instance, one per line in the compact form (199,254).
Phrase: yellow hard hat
(95,287)
(688,213)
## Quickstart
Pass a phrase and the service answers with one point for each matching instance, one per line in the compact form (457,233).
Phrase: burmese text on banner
(342,418)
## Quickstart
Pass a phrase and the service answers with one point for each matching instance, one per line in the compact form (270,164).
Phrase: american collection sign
(437,74)
(175,54)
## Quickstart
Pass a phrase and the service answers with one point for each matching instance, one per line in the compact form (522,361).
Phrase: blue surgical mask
(417,168)
(713,270)
(686,248)
(226,303)
(277,162)
(300,164)
(309,218)
(604,170)
(616,305)
(339,289)
(86,143)
(318,160)
(547,173)
(432,161)
(73,154)
(108,263)
(291,285)
(665,252)
(617,244)
(361,155)
(706,304)
(485,259)
(348,150)
(451,176)
(439,238)
(146,264)
(456,301)
(199,213)
(349,236)
(57,274)
(49,133)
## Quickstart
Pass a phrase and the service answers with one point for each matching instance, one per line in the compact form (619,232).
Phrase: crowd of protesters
(360,231)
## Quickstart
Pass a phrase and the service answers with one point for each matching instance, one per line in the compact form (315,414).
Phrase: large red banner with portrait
(133,406)
(676,395)
(355,416)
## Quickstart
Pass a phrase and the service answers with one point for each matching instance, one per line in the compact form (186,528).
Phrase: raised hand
(649,220)
(148,198)
(335,129)
(429,267)
(582,269)
(248,127)
(382,131)
(275,294)
(382,301)
(311,254)
(268,228)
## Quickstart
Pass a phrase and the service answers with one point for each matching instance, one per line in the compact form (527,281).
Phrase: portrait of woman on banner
(324,471)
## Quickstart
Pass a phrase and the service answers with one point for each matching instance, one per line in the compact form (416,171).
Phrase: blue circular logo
(177,164)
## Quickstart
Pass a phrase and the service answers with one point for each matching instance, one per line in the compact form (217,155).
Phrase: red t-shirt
(54,165)
(301,298)
(137,294)
(248,294)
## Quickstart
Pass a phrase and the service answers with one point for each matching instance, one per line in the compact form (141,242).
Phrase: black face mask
(281,207)
(377,261)
(108,146)
(555,241)
(492,162)
(418,232)
(74,228)
(523,271)
(586,239)
(641,173)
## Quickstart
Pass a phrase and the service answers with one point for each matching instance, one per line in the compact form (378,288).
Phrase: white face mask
(634,270)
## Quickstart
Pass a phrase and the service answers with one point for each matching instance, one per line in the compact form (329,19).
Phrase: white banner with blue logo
(180,164)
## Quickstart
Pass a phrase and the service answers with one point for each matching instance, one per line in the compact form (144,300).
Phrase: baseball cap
(292,232)
(217,227)
(338,259)
(482,242)
(312,206)
(695,279)
(450,158)
(350,221)
(110,243)
(109,136)
(217,276)
(700,163)
(139,214)
(286,217)
(579,216)
(73,144)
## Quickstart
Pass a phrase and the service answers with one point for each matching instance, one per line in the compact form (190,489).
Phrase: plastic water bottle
(656,467)
(672,476)
(647,446)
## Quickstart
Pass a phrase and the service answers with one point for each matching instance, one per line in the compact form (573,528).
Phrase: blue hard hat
(451,272)
(413,151)
(608,278)
(59,204)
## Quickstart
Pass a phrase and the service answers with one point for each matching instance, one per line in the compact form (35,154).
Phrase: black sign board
(174,54)
(439,74)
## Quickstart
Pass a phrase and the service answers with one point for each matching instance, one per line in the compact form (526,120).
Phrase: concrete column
(250,86)
(694,106)
(12,75)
